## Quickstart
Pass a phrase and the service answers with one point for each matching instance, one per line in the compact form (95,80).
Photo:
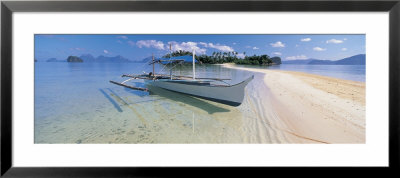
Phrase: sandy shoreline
(307,108)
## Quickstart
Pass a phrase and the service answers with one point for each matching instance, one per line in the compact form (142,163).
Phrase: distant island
(104,59)
(353,60)
(54,60)
(215,58)
(74,59)
(219,58)
(229,57)
(89,58)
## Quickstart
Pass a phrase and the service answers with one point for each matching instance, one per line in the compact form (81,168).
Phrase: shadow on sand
(114,103)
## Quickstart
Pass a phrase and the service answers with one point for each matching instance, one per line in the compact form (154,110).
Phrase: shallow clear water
(347,72)
(75,103)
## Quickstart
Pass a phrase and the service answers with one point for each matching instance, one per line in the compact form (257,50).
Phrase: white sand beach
(295,107)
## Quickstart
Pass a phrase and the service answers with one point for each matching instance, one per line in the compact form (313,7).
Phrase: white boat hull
(231,95)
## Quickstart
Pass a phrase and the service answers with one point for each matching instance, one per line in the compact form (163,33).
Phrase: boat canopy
(185,59)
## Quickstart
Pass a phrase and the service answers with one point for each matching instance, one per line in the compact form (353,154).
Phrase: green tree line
(227,57)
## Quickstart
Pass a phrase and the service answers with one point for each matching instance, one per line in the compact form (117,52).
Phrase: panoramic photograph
(199,89)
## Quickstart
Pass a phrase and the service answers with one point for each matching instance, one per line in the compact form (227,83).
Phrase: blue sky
(137,47)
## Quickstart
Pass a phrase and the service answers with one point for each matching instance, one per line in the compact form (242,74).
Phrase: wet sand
(307,108)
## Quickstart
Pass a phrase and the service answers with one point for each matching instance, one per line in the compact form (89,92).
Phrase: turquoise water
(75,103)
(347,72)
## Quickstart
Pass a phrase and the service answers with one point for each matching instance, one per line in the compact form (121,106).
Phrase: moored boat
(205,88)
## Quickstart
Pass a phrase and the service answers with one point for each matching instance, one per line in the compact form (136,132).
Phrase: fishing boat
(205,88)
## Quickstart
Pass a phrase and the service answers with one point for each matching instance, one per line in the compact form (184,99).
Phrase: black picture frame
(8,7)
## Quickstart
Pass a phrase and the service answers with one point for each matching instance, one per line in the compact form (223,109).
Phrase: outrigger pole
(127,86)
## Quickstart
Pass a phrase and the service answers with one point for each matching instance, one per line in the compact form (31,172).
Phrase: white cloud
(188,46)
(277,53)
(319,49)
(150,44)
(344,39)
(184,46)
(296,57)
(204,44)
(277,44)
(344,49)
(335,41)
(247,46)
(297,45)
(255,48)
(240,55)
(79,49)
(122,37)
(223,48)
(105,51)
(234,43)
(119,41)
(305,39)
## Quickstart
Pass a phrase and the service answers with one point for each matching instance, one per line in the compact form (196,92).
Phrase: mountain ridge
(358,59)
(104,59)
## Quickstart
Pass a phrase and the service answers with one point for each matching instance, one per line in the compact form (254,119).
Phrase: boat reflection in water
(186,99)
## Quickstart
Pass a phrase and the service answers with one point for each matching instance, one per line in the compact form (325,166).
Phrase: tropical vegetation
(229,57)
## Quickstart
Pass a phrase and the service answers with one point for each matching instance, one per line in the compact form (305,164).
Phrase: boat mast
(194,71)
(170,51)
(170,56)
(153,64)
